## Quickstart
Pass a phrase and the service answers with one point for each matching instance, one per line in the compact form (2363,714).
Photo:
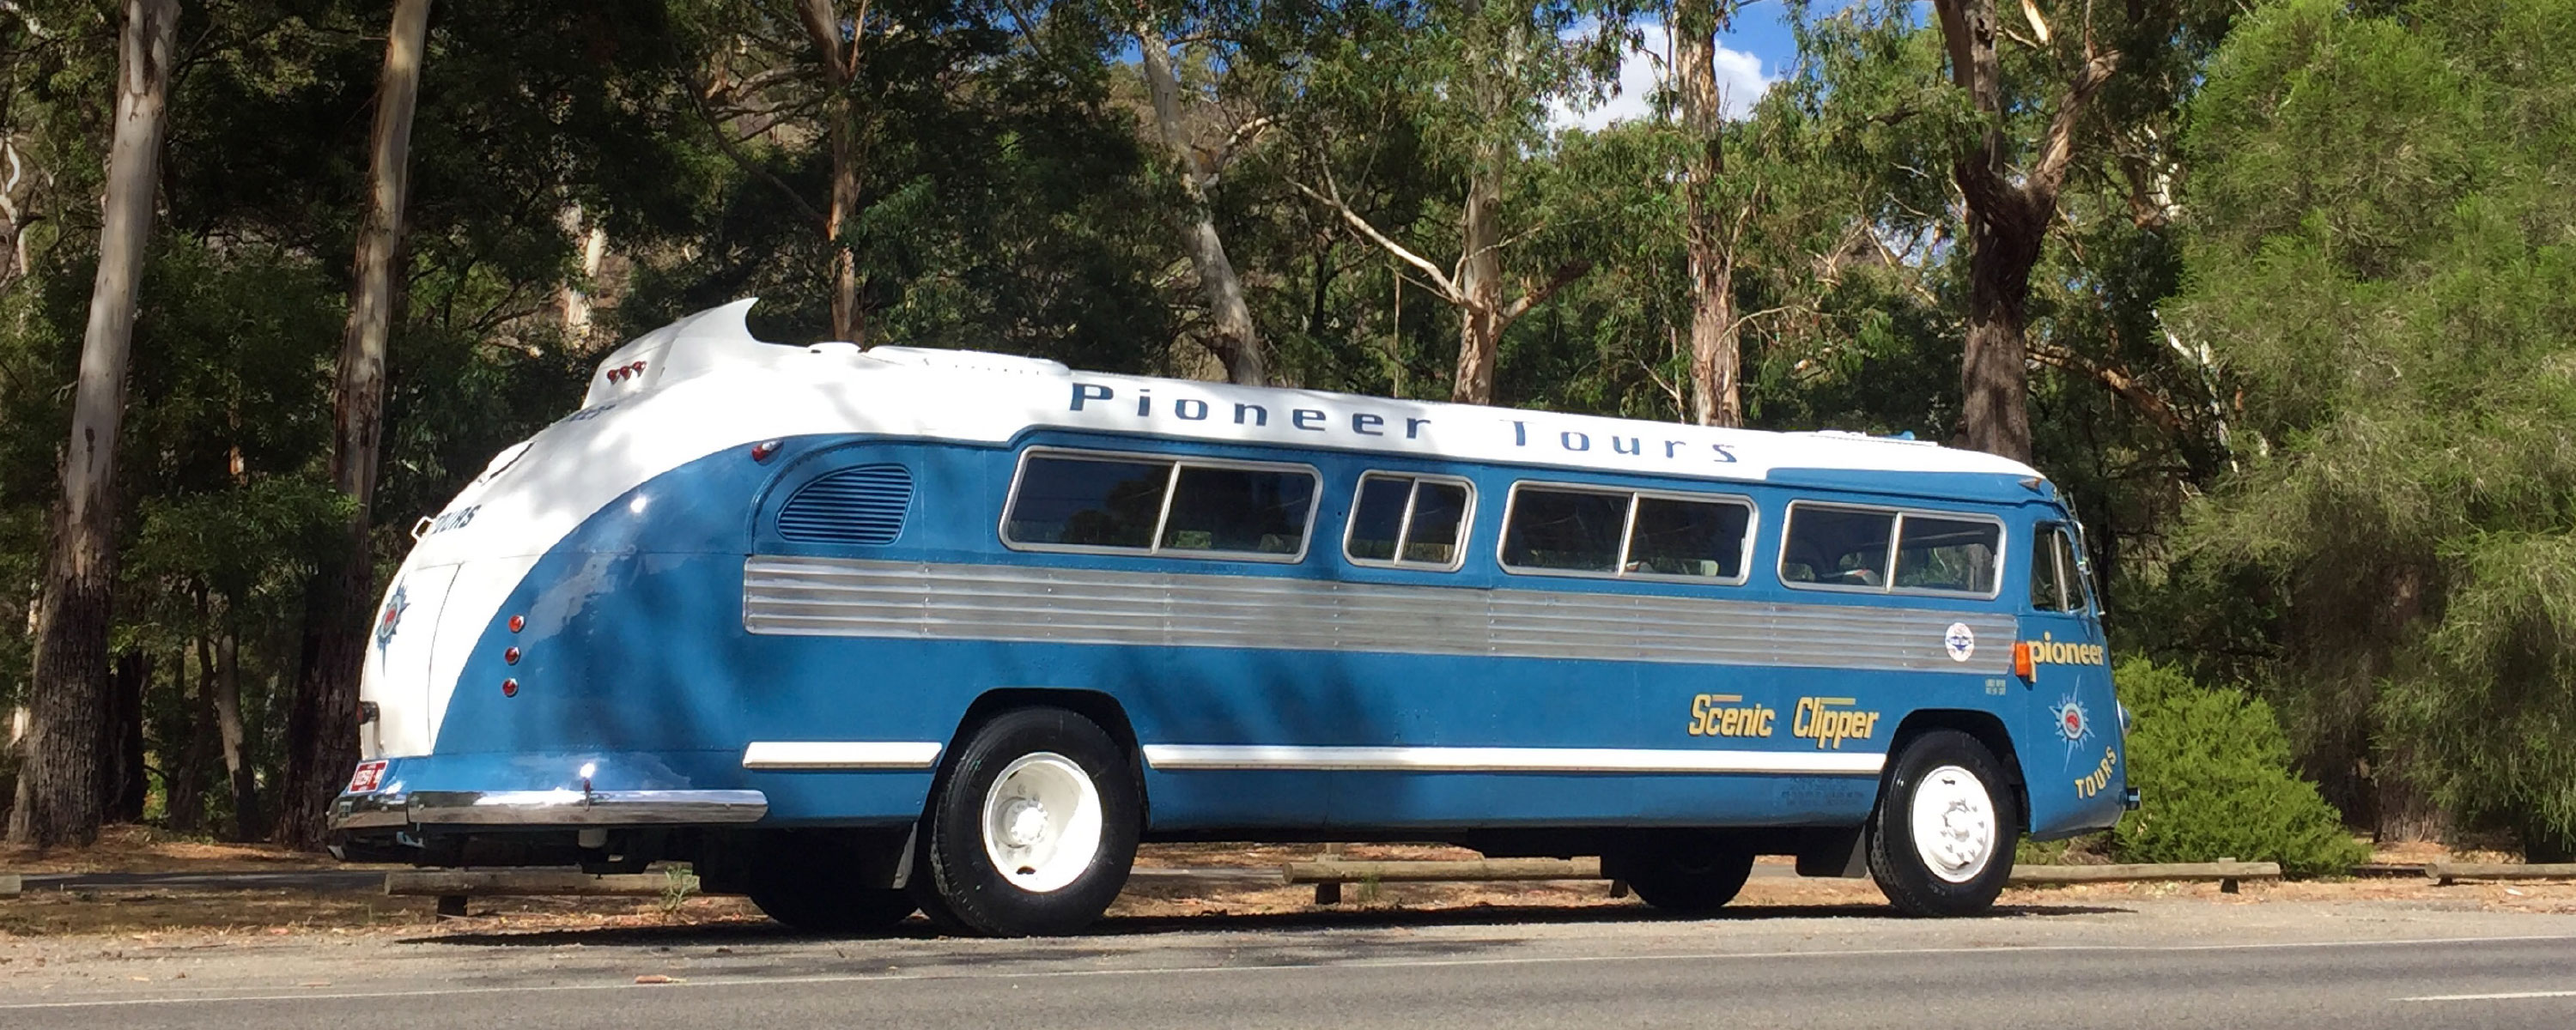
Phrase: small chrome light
(763,450)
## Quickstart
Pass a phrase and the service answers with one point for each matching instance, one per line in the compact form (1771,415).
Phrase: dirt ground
(213,917)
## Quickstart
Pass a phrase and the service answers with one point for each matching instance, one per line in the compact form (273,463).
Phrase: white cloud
(1740,82)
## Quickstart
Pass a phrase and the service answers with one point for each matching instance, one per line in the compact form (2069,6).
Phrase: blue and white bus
(860,632)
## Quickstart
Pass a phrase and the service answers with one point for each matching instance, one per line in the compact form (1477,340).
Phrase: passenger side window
(1850,547)
(1085,502)
(1675,537)
(1565,530)
(1955,555)
(1408,520)
(1078,501)
(1836,546)
(1562,529)
(1253,511)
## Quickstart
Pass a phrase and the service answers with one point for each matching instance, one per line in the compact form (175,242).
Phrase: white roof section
(704,384)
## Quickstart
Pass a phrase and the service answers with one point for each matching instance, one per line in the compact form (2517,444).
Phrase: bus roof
(996,398)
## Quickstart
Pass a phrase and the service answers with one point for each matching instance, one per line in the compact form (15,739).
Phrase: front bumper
(546,808)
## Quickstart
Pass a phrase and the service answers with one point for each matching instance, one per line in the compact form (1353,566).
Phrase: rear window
(1159,505)
(1625,533)
(1883,549)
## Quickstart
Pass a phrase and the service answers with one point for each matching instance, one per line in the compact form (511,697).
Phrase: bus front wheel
(1033,828)
(1942,841)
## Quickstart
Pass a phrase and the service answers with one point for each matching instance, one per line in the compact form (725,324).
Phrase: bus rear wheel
(1941,843)
(1688,873)
(1032,829)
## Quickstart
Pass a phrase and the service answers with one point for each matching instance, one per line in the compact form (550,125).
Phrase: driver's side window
(2056,577)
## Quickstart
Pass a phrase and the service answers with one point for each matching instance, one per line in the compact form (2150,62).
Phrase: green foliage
(2212,768)
(2379,254)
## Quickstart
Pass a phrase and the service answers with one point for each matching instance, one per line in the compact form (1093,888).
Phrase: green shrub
(2213,769)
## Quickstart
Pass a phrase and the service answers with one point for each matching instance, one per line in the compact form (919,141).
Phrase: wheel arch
(1102,709)
(1984,727)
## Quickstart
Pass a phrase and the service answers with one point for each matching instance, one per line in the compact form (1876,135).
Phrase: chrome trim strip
(565,807)
(1508,759)
(920,601)
(841,754)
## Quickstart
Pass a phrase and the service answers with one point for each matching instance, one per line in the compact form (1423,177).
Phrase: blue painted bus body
(636,661)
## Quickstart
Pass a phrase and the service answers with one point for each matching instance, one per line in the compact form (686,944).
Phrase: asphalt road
(2165,964)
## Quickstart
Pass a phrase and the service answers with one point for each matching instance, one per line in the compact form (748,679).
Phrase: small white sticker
(1961,641)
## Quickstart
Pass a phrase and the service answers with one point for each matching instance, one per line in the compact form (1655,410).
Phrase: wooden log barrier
(10,885)
(2447,873)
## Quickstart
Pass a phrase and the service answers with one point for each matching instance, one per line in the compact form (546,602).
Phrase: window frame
(1628,533)
(1162,519)
(1895,536)
(1404,528)
(2065,554)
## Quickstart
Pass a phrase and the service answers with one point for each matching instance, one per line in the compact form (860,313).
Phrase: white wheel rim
(1954,824)
(1041,822)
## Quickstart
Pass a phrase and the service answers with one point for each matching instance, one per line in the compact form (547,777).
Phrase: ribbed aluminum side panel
(854,598)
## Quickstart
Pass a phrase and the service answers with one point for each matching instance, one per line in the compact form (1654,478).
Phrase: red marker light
(510,688)
(518,622)
(511,656)
(762,450)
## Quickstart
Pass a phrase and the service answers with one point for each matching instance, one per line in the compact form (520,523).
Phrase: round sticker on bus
(1961,641)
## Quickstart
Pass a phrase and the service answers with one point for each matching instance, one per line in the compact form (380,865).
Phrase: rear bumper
(546,808)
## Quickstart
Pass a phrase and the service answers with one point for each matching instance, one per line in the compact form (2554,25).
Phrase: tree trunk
(183,763)
(840,63)
(2008,212)
(1994,372)
(123,783)
(322,726)
(1716,361)
(1480,286)
(58,799)
(1231,335)
(226,685)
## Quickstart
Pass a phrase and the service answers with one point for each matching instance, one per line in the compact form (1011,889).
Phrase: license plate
(369,776)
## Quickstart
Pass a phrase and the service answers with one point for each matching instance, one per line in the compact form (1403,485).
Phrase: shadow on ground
(916,928)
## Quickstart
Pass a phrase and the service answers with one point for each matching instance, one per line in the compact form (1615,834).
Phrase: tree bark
(1480,287)
(840,63)
(226,686)
(1231,335)
(58,799)
(183,763)
(2008,217)
(322,726)
(1716,358)
(123,782)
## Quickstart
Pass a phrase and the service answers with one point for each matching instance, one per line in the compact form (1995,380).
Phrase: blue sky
(1750,56)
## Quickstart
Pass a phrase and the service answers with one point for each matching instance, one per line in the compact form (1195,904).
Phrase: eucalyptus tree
(58,798)
(1476,76)
(322,729)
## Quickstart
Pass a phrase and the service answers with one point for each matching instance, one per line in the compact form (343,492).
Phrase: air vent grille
(861,505)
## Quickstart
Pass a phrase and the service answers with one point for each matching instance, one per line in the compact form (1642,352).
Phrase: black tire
(957,882)
(804,883)
(1688,873)
(1909,878)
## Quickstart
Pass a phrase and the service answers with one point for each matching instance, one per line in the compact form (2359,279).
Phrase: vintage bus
(860,632)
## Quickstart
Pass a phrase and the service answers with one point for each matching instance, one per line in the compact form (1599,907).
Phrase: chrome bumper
(540,808)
